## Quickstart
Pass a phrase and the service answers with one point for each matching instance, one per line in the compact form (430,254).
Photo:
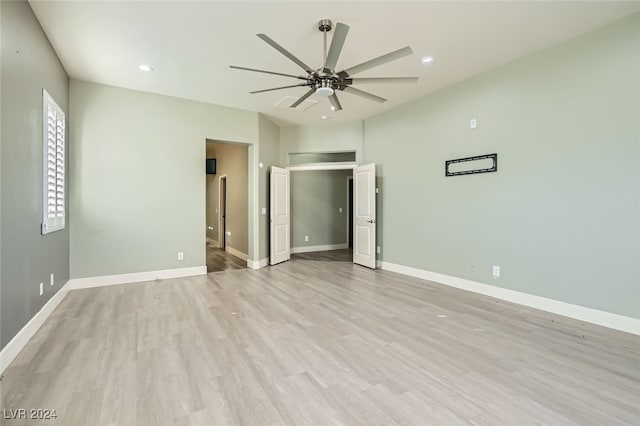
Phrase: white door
(280,215)
(364,216)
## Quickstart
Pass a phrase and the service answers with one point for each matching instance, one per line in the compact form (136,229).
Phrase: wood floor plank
(318,340)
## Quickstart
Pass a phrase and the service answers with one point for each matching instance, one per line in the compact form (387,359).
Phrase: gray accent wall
(561,217)
(316,197)
(138,177)
(29,64)
(232,161)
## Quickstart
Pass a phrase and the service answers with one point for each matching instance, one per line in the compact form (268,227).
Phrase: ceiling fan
(325,81)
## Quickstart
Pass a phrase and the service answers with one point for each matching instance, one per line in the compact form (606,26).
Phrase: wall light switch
(473,123)
(41,289)
(496,271)
(180,255)
(264,210)
(378,249)
(340,210)
(306,238)
(51,279)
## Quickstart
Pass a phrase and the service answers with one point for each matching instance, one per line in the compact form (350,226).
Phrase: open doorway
(227,215)
(283,217)
(320,211)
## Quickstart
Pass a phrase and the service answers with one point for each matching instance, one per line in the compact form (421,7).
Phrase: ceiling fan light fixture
(324,91)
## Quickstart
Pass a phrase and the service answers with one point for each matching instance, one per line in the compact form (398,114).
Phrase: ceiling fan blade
(337,42)
(364,94)
(335,103)
(380,60)
(303,97)
(267,72)
(373,80)
(286,53)
(278,88)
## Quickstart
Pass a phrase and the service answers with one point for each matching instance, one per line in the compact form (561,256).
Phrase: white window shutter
(53,129)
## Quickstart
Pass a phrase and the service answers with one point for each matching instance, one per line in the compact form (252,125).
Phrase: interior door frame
(222,224)
(349,212)
(331,166)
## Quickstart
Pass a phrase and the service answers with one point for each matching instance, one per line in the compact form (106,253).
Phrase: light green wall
(232,161)
(316,197)
(269,150)
(562,214)
(28,64)
(323,138)
(138,177)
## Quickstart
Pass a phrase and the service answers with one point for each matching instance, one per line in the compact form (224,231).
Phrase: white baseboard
(136,277)
(594,316)
(308,249)
(19,341)
(237,253)
(257,264)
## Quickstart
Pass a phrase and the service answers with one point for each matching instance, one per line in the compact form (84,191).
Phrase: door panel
(280,216)
(364,218)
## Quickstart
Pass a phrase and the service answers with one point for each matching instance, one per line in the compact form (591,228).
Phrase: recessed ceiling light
(145,68)
(324,117)
(427,59)
(333,108)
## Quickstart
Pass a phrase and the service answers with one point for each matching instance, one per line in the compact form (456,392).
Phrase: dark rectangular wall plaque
(481,168)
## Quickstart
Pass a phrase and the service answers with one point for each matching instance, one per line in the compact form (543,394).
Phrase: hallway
(220,260)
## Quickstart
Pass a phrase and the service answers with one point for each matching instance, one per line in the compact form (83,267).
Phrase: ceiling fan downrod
(325,26)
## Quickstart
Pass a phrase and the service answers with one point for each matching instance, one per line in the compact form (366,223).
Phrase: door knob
(371,221)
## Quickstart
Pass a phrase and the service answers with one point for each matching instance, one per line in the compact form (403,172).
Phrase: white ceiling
(190,45)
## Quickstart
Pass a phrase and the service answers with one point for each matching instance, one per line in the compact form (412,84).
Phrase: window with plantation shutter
(53,129)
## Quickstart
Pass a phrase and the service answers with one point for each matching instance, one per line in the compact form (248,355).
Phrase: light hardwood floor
(314,342)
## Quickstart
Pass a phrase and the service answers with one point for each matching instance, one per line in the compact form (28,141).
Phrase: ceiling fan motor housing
(325,86)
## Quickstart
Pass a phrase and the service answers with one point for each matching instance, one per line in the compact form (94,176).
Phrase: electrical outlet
(306,238)
(180,255)
(496,271)
(473,123)
(378,249)
(51,279)
(41,289)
